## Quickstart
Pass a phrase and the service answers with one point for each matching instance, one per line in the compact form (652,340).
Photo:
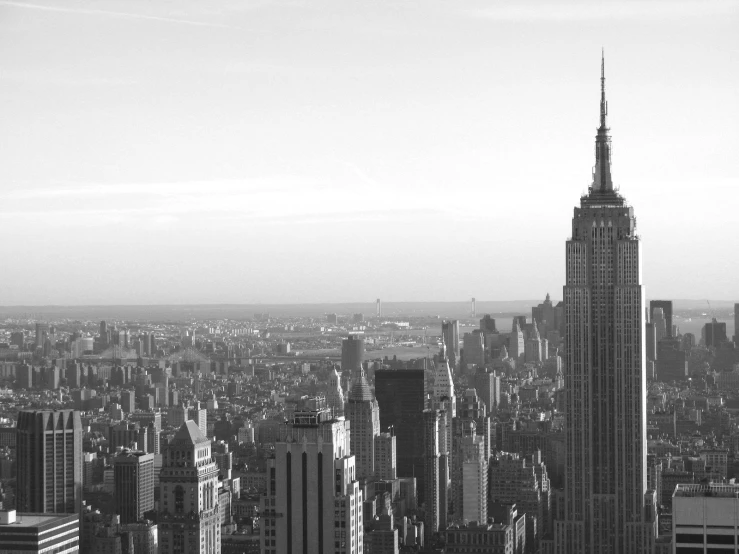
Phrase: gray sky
(311,151)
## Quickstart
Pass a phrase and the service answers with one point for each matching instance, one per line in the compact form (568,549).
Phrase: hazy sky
(183,151)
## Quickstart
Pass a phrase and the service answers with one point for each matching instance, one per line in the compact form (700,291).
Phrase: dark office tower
(736,325)
(42,333)
(432,494)
(103,329)
(714,333)
(544,314)
(379,308)
(24,374)
(651,341)
(133,473)
(672,361)
(49,449)
(606,499)
(128,401)
(666,306)
(352,354)
(450,339)
(400,396)
(17,339)
(487,324)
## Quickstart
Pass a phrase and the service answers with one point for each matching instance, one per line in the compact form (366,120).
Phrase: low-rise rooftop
(694,490)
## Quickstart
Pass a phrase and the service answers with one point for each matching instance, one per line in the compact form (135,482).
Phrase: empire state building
(607,506)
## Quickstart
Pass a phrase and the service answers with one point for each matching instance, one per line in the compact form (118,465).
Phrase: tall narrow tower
(363,413)
(189,514)
(606,499)
(445,402)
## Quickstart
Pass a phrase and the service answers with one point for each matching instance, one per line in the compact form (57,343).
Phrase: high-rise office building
(432,496)
(352,354)
(450,339)
(128,401)
(189,512)
(469,473)
(133,472)
(49,450)
(24,376)
(487,385)
(474,349)
(362,411)
(650,334)
(199,415)
(606,499)
(334,393)
(714,333)
(385,455)
(444,400)
(544,314)
(37,533)
(660,324)
(42,333)
(705,516)
(471,407)
(666,306)
(400,397)
(487,324)
(672,361)
(515,480)
(378,308)
(313,503)
(516,343)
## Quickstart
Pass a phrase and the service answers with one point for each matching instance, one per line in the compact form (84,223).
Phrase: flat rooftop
(720,491)
(23,519)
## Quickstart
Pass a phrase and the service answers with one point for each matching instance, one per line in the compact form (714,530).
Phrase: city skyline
(211,156)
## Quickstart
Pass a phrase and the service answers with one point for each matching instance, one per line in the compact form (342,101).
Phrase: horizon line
(368,302)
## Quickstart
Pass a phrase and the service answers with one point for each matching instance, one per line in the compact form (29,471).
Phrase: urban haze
(351,277)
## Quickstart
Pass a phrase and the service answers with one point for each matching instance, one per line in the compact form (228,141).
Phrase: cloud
(520,11)
(116,14)
(189,188)
(269,200)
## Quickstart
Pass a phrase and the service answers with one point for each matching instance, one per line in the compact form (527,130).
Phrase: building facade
(313,503)
(39,533)
(362,411)
(49,450)
(400,396)
(133,472)
(705,516)
(189,516)
(666,307)
(352,354)
(605,381)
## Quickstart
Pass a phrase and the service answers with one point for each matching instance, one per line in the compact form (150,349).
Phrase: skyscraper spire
(603,104)
(602,170)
